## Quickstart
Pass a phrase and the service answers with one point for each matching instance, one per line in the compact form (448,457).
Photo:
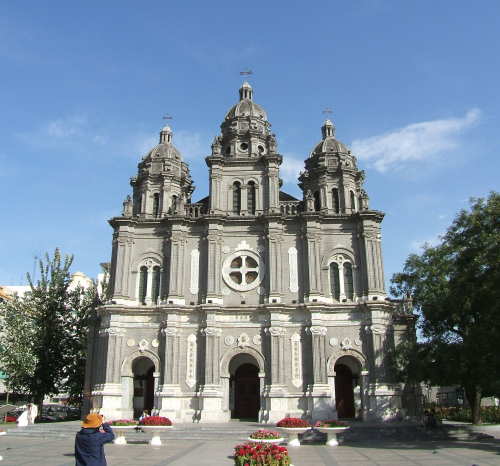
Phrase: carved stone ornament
(260,249)
(169,331)
(315,330)
(229,340)
(143,345)
(130,342)
(257,340)
(346,343)
(226,249)
(261,290)
(212,331)
(378,329)
(155,343)
(276,331)
(243,340)
(334,341)
(357,342)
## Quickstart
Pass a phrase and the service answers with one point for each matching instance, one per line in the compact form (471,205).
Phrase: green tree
(44,334)
(82,305)
(455,292)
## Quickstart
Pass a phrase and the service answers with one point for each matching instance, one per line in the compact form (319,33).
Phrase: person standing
(89,442)
(32,413)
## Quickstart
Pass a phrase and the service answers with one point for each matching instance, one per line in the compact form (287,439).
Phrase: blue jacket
(89,446)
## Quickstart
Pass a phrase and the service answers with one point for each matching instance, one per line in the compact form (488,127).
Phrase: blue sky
(414,88)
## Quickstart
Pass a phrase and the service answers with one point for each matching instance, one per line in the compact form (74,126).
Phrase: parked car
(13,415)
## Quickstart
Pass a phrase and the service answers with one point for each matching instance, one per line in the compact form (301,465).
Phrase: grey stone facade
(248,276)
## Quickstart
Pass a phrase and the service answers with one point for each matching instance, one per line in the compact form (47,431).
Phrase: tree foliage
(44,333)
(455,291)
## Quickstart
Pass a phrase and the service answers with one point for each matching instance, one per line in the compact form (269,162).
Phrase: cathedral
(249,303)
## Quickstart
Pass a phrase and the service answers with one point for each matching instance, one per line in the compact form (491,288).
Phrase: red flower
(155,421)
(293,422)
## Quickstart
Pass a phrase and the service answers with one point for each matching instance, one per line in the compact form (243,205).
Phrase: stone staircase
(239,432)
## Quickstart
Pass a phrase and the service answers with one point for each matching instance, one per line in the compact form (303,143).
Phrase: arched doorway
(244,387)
(347,391)
(143,369)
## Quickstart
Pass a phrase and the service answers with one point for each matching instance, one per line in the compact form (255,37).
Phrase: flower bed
(263,434)
(330,423)
(155,421)
(255,454)
(293,422)
(123,423)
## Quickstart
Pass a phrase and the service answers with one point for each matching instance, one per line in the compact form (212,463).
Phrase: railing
(195,210)
(290,207)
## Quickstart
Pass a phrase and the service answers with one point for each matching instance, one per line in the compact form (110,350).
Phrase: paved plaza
(18,451)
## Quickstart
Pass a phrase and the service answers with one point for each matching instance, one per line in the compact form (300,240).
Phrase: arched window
(317,201)
(251,198)
(335,280)
(336,200)
(353,202)
(237,197)
(143,284)
(156,204)
(174,204)
(155,285)
(348,281)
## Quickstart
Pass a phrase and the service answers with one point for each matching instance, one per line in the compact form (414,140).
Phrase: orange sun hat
(93,420)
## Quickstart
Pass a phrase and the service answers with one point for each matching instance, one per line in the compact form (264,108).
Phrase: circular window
(243,270)
(243,146)
(261,149)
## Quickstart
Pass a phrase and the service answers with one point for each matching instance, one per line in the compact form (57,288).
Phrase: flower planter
(120,434)
(266,440)
(331,432)
(293,434)
(156,431)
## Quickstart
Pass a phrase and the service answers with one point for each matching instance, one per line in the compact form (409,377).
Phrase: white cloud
(291,167)
(419,245)
(65,127)
(191,145)
(417,141)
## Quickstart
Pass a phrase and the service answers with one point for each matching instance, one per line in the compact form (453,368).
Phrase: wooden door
(246,392)
(344,392)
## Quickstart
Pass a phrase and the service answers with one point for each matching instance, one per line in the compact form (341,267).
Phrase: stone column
(374,267)
(313,262)
(214,247)
(212,356)
(274,267)
(364,395)
(171,358)
(318,337)
(278,364)
(177,261)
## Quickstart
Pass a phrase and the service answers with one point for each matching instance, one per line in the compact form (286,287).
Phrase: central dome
(246,107)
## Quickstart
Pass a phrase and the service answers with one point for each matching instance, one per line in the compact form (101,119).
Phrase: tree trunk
(473,394)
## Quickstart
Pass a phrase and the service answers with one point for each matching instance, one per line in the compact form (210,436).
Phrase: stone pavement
(20,451)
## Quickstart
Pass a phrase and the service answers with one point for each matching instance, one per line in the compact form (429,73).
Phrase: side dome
(329,144)
(165,149)
(246,106)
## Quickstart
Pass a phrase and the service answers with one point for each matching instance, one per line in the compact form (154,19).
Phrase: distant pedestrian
(32,413)
(89,442)
(23,419)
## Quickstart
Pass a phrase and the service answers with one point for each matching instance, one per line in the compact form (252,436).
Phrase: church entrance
(143,369)
(245,387)
(344,391)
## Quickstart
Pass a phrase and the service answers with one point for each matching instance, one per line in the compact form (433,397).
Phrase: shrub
(123,422)
(293,422)
(258,454)
(265,434)
(489,414)
(330,423)
(155,421)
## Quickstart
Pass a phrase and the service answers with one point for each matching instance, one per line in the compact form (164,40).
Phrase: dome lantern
(246,91)
(328,129)
(166,135)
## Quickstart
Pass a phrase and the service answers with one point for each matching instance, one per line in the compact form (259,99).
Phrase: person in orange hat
(89,442)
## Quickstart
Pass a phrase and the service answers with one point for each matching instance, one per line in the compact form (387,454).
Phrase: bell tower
(244,164)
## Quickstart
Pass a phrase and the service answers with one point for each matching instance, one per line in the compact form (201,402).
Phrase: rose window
(243,270)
